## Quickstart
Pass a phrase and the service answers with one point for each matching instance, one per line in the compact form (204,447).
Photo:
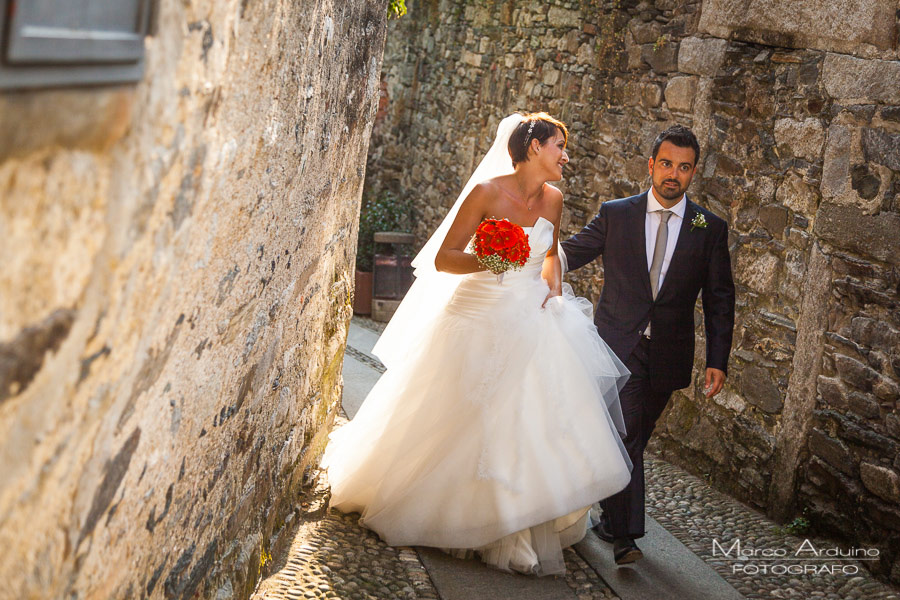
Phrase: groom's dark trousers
(700,265)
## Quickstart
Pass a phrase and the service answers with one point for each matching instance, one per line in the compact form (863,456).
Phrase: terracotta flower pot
(362,295)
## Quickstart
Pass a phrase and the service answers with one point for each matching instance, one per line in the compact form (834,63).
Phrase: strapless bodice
(478,291)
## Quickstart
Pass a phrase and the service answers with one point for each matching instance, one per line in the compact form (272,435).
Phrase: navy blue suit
(700,265)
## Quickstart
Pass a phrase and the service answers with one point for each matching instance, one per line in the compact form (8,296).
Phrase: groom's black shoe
(602,530)
(626,551)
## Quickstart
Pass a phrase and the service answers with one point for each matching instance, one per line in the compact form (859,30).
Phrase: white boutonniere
(699,222)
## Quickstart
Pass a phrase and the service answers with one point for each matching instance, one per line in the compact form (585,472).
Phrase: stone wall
(174,298)
(796,109)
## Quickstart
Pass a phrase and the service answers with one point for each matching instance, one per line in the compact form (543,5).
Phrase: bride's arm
(452,258)
(551,270)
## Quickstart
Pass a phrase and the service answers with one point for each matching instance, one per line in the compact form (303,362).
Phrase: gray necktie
(659,251)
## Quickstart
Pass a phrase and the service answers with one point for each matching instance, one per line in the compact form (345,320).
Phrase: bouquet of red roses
(500,245)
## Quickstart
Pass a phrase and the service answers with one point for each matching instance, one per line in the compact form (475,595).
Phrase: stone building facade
(797,109)
(174,298)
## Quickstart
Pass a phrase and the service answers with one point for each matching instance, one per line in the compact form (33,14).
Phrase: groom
(660,250)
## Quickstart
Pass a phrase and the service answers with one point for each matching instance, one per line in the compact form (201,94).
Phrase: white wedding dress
(494,435)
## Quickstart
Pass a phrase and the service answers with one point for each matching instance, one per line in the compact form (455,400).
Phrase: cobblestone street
(696,514)
(332,556)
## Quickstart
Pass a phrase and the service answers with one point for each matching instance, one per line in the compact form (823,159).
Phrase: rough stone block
(774,218)
(832,391)
(860,432)
(645,33)
(855,373)
(728,399)
(863,330)
(882,147)
(704,437)
(840,167)
(470,58)
(833,451)
(680,92)
(701,56)
(551,76)
(634,62)
(758,271)
(849,78)
(801,138)
(759,390)
(887,516)
(586,54)
(636,168)
(749,434)
(873,235)
(892,421)
(891,113)
(662,59)
(798,195)
(651,95)
(863,404)
(632,93)
(750,477)
(832,481)
(882,481)
(842,25)
(562,17)
(886,389)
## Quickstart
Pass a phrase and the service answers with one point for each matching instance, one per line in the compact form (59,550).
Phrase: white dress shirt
(651,226)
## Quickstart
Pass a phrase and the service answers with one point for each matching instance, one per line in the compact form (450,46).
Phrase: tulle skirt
(496,434)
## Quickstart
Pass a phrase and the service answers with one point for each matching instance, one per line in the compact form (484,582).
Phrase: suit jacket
(700,264)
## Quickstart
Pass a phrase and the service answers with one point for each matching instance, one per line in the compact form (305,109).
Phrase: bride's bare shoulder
(503,181)
(489,189)
(552,193)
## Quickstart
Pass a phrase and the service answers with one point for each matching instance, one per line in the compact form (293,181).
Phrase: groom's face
(672,171)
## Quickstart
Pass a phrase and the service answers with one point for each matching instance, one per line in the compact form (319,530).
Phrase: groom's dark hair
(679,135)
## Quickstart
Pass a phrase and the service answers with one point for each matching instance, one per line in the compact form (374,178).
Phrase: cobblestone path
(332,556)
(696,514)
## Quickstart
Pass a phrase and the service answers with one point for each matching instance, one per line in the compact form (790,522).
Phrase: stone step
(457,579)
(668,570)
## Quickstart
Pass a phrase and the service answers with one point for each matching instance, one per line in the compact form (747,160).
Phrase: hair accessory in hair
(530,129)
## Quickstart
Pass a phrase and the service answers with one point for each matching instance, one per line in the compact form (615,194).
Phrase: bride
(497,423)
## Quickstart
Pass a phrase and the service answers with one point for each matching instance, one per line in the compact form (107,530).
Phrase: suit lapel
(685,239)
(637,218)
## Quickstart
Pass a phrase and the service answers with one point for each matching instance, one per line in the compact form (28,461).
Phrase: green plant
(385,212)
(396,8)
(798,526)
(660,42)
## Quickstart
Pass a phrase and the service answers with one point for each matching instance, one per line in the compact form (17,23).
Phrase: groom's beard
(670,193)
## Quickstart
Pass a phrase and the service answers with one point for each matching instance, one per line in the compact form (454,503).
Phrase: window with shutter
(72,42)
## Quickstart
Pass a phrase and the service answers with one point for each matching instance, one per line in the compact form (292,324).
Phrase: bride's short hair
(535,126)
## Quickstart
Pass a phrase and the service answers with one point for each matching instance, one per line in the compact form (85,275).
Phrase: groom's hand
(715,380)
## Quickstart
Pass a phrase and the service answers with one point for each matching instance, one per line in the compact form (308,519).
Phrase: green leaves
(382,213)
(396,8)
